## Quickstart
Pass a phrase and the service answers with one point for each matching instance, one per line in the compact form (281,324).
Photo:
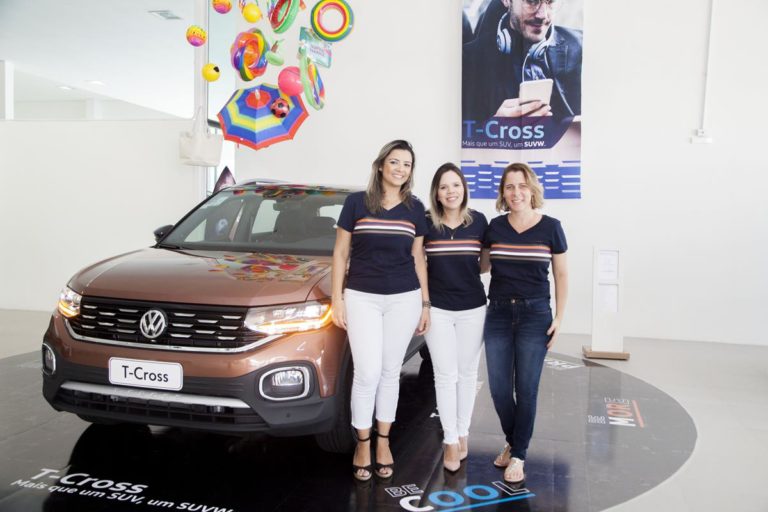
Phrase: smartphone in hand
(533,90)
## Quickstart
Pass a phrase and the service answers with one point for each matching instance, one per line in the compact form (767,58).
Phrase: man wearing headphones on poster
(528,47)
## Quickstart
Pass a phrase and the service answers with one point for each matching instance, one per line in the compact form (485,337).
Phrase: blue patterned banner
(560,181)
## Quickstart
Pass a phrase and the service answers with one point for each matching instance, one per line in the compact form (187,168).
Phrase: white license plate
(145,374)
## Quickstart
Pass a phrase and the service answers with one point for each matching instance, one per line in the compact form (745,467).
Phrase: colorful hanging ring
(314,90)
(347,20)
(282,14)
(251,52)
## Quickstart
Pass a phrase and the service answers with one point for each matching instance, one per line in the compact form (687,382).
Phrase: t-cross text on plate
(224,325)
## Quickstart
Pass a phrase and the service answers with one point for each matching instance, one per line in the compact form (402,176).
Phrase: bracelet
(426,304)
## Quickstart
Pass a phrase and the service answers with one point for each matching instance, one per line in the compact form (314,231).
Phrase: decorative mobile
(263,115)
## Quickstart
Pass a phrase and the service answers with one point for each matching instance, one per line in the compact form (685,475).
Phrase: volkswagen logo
(153,323)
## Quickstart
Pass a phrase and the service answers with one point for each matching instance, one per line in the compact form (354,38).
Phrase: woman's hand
(560,271)
(339,313)
(553,331)
(514,107)
(423,326)
(338,272)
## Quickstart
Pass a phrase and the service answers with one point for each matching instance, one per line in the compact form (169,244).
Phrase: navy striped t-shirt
(453,264)
(380,260)
(520,261)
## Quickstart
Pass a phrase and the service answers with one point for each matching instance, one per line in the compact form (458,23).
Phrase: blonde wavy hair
(537,191)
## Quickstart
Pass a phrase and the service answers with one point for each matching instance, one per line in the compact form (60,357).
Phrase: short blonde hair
(537,191)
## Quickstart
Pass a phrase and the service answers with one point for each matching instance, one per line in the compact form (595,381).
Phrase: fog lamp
(285,383)
(49,360)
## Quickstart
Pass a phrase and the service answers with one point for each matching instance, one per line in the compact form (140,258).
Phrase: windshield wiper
(167,246)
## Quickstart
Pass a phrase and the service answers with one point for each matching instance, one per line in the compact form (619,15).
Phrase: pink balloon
(289,81)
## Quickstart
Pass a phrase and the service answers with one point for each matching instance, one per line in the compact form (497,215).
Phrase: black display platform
(601,438)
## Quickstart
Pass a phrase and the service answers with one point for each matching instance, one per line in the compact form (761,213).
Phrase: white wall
(141,58)
(84,109)
(76,192)
(690,219)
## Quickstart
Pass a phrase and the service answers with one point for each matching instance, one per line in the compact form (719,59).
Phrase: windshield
(263,219)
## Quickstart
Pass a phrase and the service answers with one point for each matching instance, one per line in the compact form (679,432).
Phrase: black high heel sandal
(368,469)
(380,467)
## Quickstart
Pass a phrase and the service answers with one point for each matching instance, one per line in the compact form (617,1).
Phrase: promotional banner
(521,93)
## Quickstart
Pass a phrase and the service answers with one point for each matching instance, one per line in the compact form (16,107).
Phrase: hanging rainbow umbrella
(247,117)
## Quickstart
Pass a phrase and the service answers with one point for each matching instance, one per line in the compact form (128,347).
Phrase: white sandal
(502,459)
(514,473)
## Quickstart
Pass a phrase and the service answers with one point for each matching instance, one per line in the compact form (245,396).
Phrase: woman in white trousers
(454,249)
(385,299)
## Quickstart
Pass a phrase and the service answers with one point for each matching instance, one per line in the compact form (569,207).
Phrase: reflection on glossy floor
(602,437)
(585,454)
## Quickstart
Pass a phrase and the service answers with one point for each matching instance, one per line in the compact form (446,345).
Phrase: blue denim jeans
(515,346)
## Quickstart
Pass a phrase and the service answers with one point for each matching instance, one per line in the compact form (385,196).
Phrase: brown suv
(223,325)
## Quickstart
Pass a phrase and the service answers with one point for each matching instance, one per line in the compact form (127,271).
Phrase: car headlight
(288,318)
(69,302)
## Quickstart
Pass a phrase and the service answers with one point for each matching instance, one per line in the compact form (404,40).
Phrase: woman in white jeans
(454,246)
(380,233)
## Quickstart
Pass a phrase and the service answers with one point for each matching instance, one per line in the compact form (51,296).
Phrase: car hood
(205,277)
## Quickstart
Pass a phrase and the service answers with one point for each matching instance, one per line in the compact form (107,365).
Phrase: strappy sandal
(514,473)
(503,459)
(382,467)
(368,469)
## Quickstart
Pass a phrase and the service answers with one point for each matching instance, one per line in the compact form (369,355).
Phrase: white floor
(723,387)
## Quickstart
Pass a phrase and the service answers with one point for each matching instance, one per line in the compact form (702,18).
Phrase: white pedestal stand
(607,285)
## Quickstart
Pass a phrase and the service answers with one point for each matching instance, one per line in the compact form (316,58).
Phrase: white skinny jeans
(379,327)
(454,340)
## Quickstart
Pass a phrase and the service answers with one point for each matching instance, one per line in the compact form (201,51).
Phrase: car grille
(157,410)
(202,327)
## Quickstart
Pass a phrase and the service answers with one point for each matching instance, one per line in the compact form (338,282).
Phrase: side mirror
(161,232)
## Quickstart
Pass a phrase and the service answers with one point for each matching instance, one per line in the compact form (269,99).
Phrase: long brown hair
(436,209)
(375,192)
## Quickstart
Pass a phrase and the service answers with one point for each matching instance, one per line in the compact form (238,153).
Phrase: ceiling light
(165,14)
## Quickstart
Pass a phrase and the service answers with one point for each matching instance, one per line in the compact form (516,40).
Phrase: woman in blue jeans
(519,327)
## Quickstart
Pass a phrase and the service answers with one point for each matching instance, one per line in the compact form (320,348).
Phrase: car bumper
(220,392)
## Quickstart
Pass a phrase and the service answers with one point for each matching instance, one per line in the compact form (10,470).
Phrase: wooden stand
(601,354)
